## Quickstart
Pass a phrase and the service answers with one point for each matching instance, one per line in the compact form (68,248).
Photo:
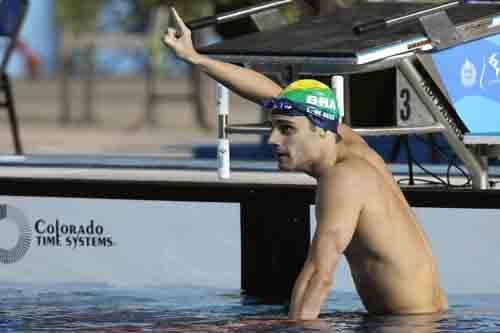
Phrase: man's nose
(273,137)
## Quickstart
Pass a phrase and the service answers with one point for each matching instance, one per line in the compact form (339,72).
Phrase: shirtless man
(360,209)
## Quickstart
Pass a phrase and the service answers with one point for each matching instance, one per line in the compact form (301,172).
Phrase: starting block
(436,73)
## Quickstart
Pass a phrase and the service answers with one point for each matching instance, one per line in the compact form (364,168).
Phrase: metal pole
(386,23)
(265,128)
(338,87)
(420,13)
(223,157)
(235,14)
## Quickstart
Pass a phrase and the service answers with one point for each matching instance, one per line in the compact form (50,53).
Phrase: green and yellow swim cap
(310,98)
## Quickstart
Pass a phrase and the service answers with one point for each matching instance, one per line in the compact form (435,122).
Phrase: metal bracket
(268,20)
(440,30)
(475,163)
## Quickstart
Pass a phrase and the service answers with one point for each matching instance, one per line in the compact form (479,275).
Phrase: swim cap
(309,98)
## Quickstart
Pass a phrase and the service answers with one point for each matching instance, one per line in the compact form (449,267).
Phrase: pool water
(194,309)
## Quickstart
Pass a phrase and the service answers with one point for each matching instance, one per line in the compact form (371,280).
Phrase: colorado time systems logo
(9,213)
(57,234)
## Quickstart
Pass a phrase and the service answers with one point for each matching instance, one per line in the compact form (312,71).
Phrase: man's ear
(338,138)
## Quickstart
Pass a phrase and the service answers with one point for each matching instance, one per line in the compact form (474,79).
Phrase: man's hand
(243,81)
(180,41)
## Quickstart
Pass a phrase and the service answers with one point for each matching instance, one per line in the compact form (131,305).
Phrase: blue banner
(471,75)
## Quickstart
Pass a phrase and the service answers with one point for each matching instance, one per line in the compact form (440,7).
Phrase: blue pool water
(193,309)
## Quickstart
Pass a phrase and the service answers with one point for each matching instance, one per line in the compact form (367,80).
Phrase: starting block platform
(419,68)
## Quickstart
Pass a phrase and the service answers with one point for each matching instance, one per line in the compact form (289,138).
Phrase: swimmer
(361,212)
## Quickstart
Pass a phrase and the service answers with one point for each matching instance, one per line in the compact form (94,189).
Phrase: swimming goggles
(288,107)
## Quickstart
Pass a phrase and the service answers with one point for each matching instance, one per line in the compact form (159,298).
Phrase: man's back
(389,255)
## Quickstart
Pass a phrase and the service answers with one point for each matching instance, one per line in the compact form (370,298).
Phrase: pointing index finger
(179,24)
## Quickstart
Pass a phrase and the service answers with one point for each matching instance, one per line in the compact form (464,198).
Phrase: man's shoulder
(349,175)
(353,175)
(344,184)
(353,169)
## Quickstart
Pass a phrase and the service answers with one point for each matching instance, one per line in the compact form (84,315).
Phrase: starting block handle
(223,156)
(236,14)
(391,21)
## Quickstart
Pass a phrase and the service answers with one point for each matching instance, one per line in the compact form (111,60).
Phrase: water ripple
(208,310)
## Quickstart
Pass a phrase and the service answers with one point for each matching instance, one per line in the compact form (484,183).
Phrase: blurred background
(92,77)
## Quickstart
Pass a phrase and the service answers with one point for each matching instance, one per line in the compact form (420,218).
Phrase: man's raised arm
(245,82)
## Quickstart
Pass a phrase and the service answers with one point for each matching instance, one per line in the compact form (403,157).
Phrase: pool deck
(119,128)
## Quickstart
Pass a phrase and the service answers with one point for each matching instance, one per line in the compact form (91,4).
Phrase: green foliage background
(80,15)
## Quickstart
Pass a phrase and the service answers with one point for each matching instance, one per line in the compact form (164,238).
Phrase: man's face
(294,141)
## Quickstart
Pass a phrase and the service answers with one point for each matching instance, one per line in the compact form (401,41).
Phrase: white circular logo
(9,213)
(468,74)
